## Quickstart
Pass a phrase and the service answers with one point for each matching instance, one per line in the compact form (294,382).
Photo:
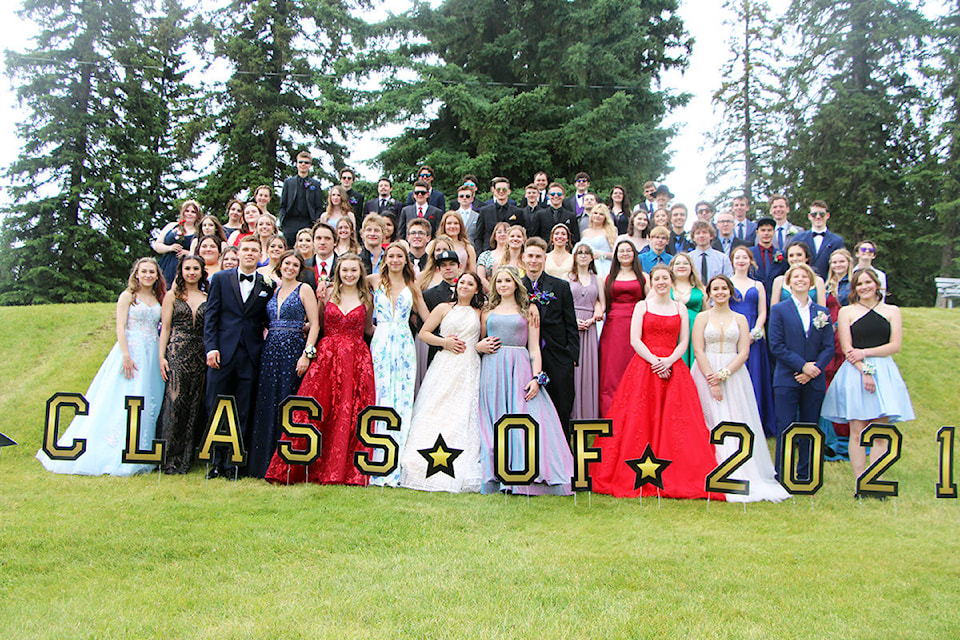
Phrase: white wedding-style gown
(739,404)
(448,405)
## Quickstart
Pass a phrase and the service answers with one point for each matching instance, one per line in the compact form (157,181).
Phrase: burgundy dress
(615,349)
(340,378)
(665,414)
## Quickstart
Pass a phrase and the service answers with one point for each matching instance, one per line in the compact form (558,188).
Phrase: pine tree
(509,88)
(855,138)
(749,99)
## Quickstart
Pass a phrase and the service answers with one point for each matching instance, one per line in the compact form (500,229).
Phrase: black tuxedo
(373,206)
(679,243)
(356,203)
(434,198)
(408,213)
(536,220)
(567,217)
(570,203)
(300,205)
(235,329)
(435,295)
(560,338)
(490,215)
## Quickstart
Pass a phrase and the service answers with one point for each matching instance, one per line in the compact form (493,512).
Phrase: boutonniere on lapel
(821,320)
(778,257)
(265,281)
(541,297)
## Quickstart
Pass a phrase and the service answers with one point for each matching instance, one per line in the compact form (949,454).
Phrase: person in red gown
(652,405)
(340,378)
(625,287)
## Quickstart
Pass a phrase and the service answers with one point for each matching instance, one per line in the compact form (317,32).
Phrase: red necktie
(419,212)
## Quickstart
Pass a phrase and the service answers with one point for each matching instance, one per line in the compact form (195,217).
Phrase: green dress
(694,306)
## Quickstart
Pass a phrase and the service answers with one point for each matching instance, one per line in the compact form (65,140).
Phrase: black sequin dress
(183,415)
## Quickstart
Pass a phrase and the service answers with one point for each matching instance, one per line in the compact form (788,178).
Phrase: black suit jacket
(684,244)
(408,213)
(434,198)
(490,215)
(567,217)
(432,297)
(559,334)
(356,202)
(288,199)
(309,273)
(373,206)
(537,222)
(230,322)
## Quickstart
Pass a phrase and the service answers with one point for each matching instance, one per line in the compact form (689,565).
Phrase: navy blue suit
(749,231)
(434,198)
(792,348)
(821,259)
(235,329)
(768,272)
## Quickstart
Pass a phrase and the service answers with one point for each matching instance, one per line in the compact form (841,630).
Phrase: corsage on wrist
(310,352)
(542,378)
(868,369)
(723,374)
(757,333)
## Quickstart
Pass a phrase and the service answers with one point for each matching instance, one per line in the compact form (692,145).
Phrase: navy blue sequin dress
(278,376)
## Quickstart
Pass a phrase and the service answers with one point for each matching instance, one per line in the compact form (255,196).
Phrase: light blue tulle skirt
(847,400)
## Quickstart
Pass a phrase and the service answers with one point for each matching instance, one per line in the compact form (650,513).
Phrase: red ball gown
(666,414)
(340,378)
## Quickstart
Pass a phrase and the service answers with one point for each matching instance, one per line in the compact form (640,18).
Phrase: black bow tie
(819,233)
(248,278)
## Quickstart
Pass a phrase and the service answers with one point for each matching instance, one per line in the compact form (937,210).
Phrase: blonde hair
(609,229)
(833,280)
(693,278)
(442,227)
(426,275)
(519,293)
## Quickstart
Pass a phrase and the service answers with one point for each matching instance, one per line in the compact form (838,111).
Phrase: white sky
(703,20)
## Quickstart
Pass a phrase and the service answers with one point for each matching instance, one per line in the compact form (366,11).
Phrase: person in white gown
(448,402)
(721,344)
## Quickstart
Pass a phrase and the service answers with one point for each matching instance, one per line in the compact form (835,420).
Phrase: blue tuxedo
(235,329)
(792,348)
(821,259)
(767,273)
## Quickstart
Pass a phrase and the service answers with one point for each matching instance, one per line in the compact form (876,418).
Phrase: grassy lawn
(181,557)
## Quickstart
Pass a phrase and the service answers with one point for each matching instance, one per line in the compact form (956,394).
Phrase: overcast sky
(703,20)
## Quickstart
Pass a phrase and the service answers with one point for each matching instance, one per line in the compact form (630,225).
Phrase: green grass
(181,557)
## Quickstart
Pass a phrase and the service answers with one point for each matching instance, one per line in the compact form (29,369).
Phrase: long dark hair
(180,285)
(479,298)
(626,200)
(615,269)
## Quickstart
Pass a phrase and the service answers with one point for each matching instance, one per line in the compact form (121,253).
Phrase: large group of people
(560,308)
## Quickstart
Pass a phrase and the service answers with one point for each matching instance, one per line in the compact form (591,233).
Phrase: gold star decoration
(649,469)
(440,457)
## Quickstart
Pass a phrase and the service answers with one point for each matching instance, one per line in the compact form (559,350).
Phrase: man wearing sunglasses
(434,197)
(420,208)
(822,242)
(301,201)
(500,210)
(559,214)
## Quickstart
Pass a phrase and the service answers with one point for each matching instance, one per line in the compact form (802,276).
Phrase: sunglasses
(556,194)
(304,162)
(818,214)
(426,175)
(419,193)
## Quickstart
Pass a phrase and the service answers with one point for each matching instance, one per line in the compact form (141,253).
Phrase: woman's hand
(303,363)
(454,344)
(854,355)
(713,379)
(164,370)
(869,384)
(717,393)
(128,367)
(488,345)
(533,388)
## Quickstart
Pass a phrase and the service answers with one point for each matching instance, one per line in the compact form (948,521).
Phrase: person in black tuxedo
(679,242)
(347,176)
(535,219)
(540,182)
(448,264)
(559,214)
(301,201)
(434,197)
(558,328)
(420,209)
(500,211)
(233,327)
(321,266)
(383,203)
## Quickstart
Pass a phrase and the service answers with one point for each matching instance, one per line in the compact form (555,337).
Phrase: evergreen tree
(855,137)
(287,91)
(509,88)
(749,98)
(55,248)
